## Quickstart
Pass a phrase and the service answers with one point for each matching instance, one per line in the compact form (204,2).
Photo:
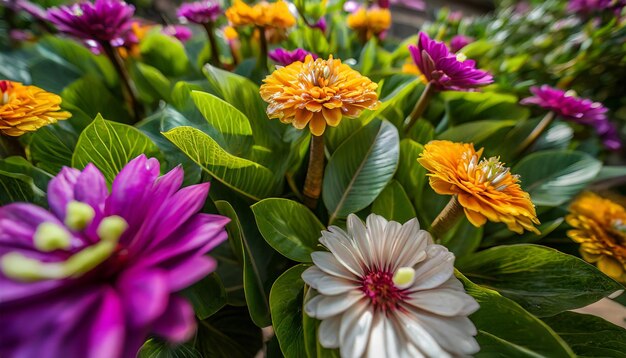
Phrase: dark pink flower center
(383,293)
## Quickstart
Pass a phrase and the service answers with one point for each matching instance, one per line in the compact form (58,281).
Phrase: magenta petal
(144,294)
(190,271)
(61,190)
(18,223)
(108,327)
(177,324)
(91,187)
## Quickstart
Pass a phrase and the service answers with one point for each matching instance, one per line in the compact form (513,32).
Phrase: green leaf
(286,303)
(151,84)
(506,330)
(360,169)
(17,187)
(89,97)
(553,177)
(475,132)
(110,146)
(233,131)
(165,53)
(158,348)
(289,227)
(589,336)
(394,204)
(463,107)
(229,334)
(410,173)
(242,175)
(542,280)
(51,147)
(463,239)
(207,296)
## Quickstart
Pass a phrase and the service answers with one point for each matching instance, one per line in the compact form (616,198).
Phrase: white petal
(332,285)
(354,331)
(329,264)
(328,333)
(446,302)
(343,251)
(323,307)
(435,270)
(420,336)
(411,248)
(384,341)
(411,351)
(312,275)
(387,244)
(454,333)
(362,241)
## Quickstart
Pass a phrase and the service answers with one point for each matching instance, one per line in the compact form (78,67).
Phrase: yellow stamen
(404,277)
(111,228)
(78,215)
(50,237)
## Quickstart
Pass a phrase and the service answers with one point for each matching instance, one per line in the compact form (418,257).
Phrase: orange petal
(317,124)
(332,116)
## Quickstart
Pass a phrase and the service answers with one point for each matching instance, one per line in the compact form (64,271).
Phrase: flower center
(380,288)
(319,73)
(488,171)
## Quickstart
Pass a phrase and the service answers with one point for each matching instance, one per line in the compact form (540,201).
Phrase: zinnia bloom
(459,41)
(444,69)
(101,270)
(27,108)
(579,110)
(600,228)
(386,290)
(370,22)
(285,57)
(103,21)
(263,14)
(485,188)
(200,12)
(318,93)
(180,32)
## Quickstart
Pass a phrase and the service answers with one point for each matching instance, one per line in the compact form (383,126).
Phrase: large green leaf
(18,187)
(51,147)
(158,348)
(229,334)
(589,336)
(151,84)
(233,131)
(475,132)
(462,107)
(110,146)
(360,169)
(410,172)
(165,53)
(245,176)
(463,239)
(506,330)
(543,280)
(289,227)
(553,177)
(207,296)
(286,302)
(88,97)
(394,204)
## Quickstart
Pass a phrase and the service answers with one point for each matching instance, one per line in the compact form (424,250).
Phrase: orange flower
(411,69)
(263,14)
(600,228)
(484,188)
(370,22)
(230,33)
(27,108)
(318,93)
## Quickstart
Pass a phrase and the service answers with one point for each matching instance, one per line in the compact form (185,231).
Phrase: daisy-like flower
(568,106)
(446,70)
(370,22)
(600,229)
(264,14)
(27,108)
(386,290)
(200,12)
(317,93)
(485,189)
(285,57)
(103,21)
(459,41)
(100,271)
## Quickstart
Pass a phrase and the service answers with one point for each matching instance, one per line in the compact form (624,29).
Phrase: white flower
(386,290)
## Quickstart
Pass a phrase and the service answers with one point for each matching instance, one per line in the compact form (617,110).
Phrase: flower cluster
(370,22)
(27,108)
(269,15)
(317,93)
(101,270)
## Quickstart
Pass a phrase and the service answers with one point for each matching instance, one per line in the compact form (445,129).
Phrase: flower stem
(420,106)
(534,135)
(262,64)
(315,172)
(130,91)
(215,51)
(446,219)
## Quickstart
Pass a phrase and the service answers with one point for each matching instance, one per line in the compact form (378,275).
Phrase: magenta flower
(459,41)
(103,21)
(101,270)
(285,57)
(576,109)
(320,24)
(182,33)
(200,12)
(445,70)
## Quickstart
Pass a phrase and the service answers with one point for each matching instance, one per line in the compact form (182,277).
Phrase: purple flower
(444,69)
(26,6)
(320,24)
(200,12)
(576,109)
(103,21)
(182,33)
(285,57)
(460,41)
(101,270)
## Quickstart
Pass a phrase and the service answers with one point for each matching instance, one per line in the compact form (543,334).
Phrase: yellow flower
(411,69)
(230,33)
(27,108)
(370,22)
(600,228)
(263,14)
(318,93)
(484,188)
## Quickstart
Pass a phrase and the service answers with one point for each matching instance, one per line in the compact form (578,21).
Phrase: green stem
(263,54)
(315,172)
(420,106)
(446,219)
(130,91)
(534,135)
(215,51)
